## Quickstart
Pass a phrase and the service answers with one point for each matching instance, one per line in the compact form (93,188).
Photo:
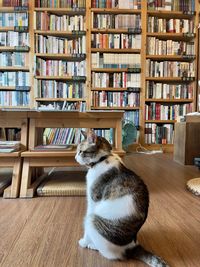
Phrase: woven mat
(63,184)
(193,186)
(5,181)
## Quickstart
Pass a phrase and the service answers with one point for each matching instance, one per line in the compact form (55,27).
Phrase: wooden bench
(13,160)
(36,161)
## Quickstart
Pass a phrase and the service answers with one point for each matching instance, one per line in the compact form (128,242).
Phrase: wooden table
(45,119)
(17,119)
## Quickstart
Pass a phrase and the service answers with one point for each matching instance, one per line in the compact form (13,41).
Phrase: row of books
(157,111)
(156,24)
(132,116)
(13,3)
(110,21)
(13,19)
(129,4)
(9,146)
(50,22)
(14,98)
(116,80)
(159,134)
(176,5)
(108,134)
(117,41)
(61,136)
(12,38)
(156,46)
(60,68)
(52,89)
(56,45)
(169,69)
(18,78)
(11,134)
(115,99)
(62,105)
(60,3)
(109,60)
(169,91)
(14,59)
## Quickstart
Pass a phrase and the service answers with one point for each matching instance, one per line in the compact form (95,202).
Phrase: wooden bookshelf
(23,47)
(88,12)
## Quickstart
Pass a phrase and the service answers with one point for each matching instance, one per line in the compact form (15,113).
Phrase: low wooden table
(16,119)
(41,159)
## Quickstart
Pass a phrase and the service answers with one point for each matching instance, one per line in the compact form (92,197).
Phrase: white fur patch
(115,208)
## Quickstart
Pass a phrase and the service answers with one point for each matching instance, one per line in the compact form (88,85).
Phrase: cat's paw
(83,243)
(91,246)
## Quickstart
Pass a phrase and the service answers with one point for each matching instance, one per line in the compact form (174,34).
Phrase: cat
(117,203)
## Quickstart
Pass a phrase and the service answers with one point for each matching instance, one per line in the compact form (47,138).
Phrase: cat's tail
(139,253)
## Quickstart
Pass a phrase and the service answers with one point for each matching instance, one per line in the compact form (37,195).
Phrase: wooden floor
(45,231)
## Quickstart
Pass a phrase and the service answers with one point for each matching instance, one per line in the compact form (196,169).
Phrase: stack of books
(9,146)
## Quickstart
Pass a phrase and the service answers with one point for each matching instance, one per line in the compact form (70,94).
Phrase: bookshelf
(116,57)
(171,65)
(15,60)
(115,50)
(60,55)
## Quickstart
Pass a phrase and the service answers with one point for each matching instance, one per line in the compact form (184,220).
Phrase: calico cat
(118,203)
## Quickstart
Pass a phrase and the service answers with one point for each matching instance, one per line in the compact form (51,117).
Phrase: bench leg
(26,179)
(13,190)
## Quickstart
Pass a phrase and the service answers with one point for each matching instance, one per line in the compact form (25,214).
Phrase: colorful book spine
(157,111)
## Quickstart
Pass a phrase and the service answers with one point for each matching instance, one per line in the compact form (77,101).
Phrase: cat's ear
(84,133)
(91,137)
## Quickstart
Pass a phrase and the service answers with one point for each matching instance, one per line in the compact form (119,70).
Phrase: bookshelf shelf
(14,49)
(171,57)
(161,121)
(17,9)
(6,29)
(70,34)
(62,78)
(169,100)
(116,50)
(172,36)
(111,70)
(7,88)
(14,68)
(169,79)
(109,89)
(61,11)
(115,11)
(75,57)
(59,99)
(96,30)
(169,14)
(115,108)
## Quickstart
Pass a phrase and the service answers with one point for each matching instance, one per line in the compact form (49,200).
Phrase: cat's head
(92,149)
